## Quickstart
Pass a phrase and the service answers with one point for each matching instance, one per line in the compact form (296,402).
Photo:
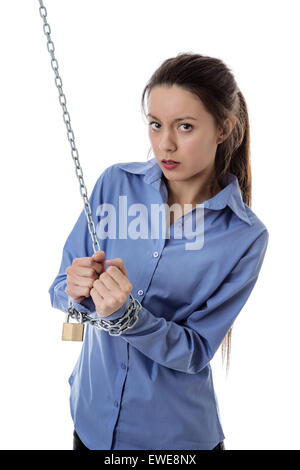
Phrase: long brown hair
(213,82)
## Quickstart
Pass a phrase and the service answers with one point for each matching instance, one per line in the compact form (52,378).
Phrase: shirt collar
(230,195)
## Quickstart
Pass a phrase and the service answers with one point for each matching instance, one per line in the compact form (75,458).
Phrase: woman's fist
(82,274)
(111,290)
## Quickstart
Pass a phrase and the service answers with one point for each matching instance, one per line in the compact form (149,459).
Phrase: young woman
(182,240)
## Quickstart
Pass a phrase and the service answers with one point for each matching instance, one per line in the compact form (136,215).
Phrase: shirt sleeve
(189,346)
(78,244)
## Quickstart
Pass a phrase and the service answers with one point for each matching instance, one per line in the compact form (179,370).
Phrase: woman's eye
(153,122)
(184,124)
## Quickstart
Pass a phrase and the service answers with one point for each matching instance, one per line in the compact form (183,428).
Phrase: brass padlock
(72,331)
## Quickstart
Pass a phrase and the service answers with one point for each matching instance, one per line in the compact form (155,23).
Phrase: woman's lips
(170,166)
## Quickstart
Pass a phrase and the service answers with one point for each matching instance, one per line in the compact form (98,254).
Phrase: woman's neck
(175,195)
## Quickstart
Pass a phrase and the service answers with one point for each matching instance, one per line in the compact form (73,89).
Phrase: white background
(106,53)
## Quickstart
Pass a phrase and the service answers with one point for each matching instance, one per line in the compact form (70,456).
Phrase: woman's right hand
(82,274)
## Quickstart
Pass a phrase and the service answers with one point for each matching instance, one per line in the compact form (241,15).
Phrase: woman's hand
(82,274)
(111,290)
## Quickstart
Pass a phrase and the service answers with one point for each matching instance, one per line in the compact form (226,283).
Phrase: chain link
(82,317)
(114,327)
(70,133)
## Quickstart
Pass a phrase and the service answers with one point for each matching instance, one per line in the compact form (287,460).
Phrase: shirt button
(116,404)
(155,254)
(123,365)
(140,292)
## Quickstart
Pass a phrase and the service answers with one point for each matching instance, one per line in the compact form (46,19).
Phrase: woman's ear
(228,127)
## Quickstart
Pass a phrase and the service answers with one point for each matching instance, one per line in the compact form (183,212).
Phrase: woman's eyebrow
(175,120)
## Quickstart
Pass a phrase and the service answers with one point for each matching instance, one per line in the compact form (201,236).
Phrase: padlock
(72,331)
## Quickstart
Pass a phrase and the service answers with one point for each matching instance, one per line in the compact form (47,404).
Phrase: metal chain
(80,316)
(70,133)
(114,327)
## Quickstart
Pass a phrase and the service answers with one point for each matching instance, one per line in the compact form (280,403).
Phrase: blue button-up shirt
(152,386)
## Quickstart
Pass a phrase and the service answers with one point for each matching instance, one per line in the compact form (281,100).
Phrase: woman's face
(192,141)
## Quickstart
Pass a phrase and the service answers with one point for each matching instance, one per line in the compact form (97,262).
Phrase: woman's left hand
(111,290)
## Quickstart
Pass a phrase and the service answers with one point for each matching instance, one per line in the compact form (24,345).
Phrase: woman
(151,387)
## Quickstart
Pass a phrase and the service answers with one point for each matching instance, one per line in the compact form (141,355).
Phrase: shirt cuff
(80,307)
